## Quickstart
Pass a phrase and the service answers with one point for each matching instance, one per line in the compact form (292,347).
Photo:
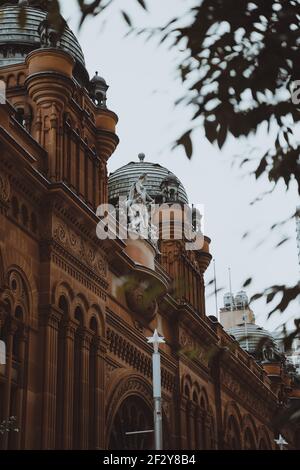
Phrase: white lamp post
(156,340)
(281,442)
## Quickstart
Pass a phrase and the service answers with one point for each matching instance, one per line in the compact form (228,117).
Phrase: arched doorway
(133,415)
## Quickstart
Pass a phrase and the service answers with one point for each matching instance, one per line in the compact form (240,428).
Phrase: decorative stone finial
(98,90)
(142,157)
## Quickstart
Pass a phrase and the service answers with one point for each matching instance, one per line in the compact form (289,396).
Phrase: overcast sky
(143,88)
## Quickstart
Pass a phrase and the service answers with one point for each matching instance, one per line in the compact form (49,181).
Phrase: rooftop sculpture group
(138,208)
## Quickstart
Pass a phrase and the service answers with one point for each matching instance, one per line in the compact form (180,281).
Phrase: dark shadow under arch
(134,414)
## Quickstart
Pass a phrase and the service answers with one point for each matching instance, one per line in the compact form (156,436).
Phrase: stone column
(23,339)
(8,375)
(86,338)
(183,424)
(199,418)
(207,425)
(100,436)
(50,322)
(68,385)
(191,417)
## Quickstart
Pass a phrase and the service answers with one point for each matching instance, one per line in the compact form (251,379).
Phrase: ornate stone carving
(133,385)
(131,355)
(246,395)
(4,188)
(79,248)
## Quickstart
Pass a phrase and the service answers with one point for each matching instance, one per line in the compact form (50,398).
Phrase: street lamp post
(281,442)
(156,340)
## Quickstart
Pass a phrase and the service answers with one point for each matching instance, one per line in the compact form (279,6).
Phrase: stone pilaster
(183,424)
(100,437)
(191,424)
(85,369)
(68,385)
(23,339)
(50,319)
(12,328)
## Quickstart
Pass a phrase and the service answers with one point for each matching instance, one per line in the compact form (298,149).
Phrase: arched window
(233,434)
(19,312)
(77,380)
(19,315)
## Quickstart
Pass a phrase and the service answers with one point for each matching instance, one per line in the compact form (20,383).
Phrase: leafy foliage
(242,62)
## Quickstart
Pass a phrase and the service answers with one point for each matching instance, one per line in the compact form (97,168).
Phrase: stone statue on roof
(138,203)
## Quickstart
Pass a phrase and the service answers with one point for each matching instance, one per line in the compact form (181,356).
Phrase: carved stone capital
(50,316)
(70,329)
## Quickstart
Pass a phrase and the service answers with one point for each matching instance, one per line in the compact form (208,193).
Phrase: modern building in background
(75,311)
(291,349)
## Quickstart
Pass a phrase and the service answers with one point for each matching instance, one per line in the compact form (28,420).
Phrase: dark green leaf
(247,282)
(186,142)
(222,135)
(143,4)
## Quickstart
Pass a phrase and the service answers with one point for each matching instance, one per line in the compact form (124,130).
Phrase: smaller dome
(121,180)
(17,42)
(253,338)
(171,178)
(98,88)
(97,79)
(241,299)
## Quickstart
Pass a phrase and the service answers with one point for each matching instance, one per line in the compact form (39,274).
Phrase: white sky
(143,88)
